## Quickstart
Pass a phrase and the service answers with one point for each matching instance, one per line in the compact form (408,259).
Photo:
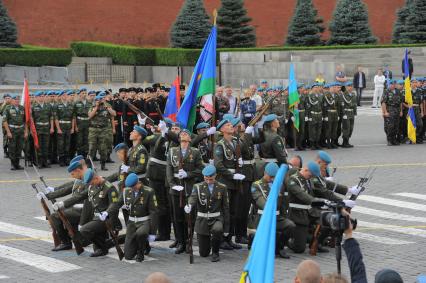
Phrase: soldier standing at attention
(392,111)
(331,116)
(100,117)
(348,112)
(300,135)
(43,120)
(279,107)
(53,153)
(81,122)
(16,131)
(273,148)
(142,206)
(63,123)
(6,102)
(210,199)
(418,110)
(314,114)
(184,165)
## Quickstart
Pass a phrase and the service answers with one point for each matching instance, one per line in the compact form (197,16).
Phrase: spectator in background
(359,84)
(320,78)
(308,271)
(410,66)
(256,96)
(379,84)
(221,105)
(248,107)
(340,75)
(232,100)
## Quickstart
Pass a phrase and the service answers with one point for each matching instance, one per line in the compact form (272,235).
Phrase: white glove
(177,188)
(225,234)
(292,118)
(338,118)
(238,176)
(58,205)
(306,119)
(286,121)
(249,130)
(211,131)
(151,238)
(345,117)
(211,162)
(141,120)
(41,195)
(240,162)
(349,203)
(187,208)
(124,168)
(326,119)
(331,179)
(49,190)
(78,227)
(103,216)
(182,174)
(354,190)
(163,127)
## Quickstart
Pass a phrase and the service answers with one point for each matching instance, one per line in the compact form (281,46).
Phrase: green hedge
(35,56)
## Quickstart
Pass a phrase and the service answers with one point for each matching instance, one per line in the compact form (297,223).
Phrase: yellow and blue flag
(411,116)
(259,267)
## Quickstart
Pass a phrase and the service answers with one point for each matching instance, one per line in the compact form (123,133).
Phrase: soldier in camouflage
(392,111)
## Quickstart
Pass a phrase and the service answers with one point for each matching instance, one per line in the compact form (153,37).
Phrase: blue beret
(421,279)
(102,93)
(263,82)
(324,156)
(97,98)
(121,146)
(141,131)
(228,117)
(38,93)
(327,85)
(60,92)
(314,168)
(271,169)
(185,131)
(50,92)
(70,92)
(401,82)
(203,125)
(270,118)
(269,89)
(209,170)
(83,89)
(73,165)
(392,81)
(320,84)
(176,124)
(260,89)
(222,123)
(314,85)
(286,88)
(88,176)
(131,180)
(235,121)
(15,96)
(77,158)
(92,92)
(6,95)
(349,83)
(300,85)
(168,122)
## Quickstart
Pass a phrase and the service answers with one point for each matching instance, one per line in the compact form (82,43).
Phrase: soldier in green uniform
(138,155)
(210,200)
(184,165)
(81,122)
(392,111)
(16,131)
(202,142)
(331,116)
(44,123)
(6,102)
(279,107)
(102,196)
(348,111)
(53,153)
(260,192)
(100,117)
(273,148)
(63,121)
(418,110)
(313,106)
(142,206)
(300,135)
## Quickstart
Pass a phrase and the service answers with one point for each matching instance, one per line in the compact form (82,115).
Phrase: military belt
(331,110)
(301,110)
(248,162)
(300,206)
(248,115)
(260,211)
(416,105)
(339,195)
(280,116)
(347,109)
(15,126)
(313,112)
(140,176)
(42,124)
(232,170)
(78,205)
(83,118)
(158,161)
(286,193)
(64,122)
(208,215)
(270,159)
(139,219)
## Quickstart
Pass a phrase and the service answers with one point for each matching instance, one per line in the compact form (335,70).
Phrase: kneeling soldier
(141,203)
(210,199)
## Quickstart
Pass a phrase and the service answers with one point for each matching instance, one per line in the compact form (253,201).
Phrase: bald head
(308,271)
(296,161)
(157,277)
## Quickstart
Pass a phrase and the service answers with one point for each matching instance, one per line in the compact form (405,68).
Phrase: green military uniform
(100,131)
(14,116)
(53,141)
(392,100)
(314,113)
(142,207)
(279,107)
(63,115)
(348,112)
(80,114)
(331,118)
(417,101)
(212,206)
(138,160)
(273,149)
(43,120)
(204,145)
(5,139)
(300,142)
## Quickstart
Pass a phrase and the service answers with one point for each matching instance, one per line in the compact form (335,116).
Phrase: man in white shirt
(256,97)
(379,85)
(232,100)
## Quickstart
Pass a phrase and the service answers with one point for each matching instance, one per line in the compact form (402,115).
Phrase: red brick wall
(147,22)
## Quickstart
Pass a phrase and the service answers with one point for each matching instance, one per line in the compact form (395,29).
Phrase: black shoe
(109,160)
(215,257)
(103,167)
(98,253)
(109,243)
(95,159)
(321,249)
(62,163)
(18,167)
(147,249)
(62,247)
(173,245)
(283,254)
(162,238)
(226,246)
(140,257)
(12,166)
(180,248)
(241,240)
(234,245)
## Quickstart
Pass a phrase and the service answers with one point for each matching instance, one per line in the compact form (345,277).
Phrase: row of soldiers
(208,180)
(395,110)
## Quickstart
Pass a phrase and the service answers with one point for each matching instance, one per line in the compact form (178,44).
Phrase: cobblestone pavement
(391,230)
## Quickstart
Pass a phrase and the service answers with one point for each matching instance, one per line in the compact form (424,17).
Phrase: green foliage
(350,24)
(414,30)
(400,23)
(8,31)
(35,56)
(233,25)
(305,27)
(176,56)
(192,26)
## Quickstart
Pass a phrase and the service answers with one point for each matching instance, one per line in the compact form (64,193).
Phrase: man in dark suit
(359,84)
(410,66)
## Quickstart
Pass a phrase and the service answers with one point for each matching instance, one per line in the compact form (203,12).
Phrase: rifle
(191,235)
(213,120)
(314,243)
(135,109)
(238,183)
(363,182)
(181,200)
(39,176)
(262,111)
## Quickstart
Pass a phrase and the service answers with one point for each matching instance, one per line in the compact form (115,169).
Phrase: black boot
(180,248)
(328,143)
(45,163)
(63,247)
(348,144)
(173,245)
(250,241)
(345,143)
(17,166)
(12,165)
(140,256)
(99,252)
(103,167)
(232,244)
(215,257)
(109,160)
(62,161)
(147,248)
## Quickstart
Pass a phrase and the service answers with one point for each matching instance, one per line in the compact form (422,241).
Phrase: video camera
(334,219)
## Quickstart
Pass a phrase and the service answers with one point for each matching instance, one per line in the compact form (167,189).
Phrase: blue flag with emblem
(260,264)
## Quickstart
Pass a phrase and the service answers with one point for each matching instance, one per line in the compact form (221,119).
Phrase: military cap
(149,89)
(122,89)
(348,83)
(73,166)
(182,87)
(38,93)
(77,158)
(263,82)
(392,81)
(222,123)
(235,121)
(400,82)
(6,95)
(130,89)
(98,97)
(175,124)
(92,92)
(186,131)
(141,131)
(156,85)
(271,169)
(82,89)
(314,168)
(324,156)
(16,96)
(209,170)
(121,146)
(131,180)
(203,125)
(270,118)
(269,89)
(168,122)
(228,117)
(300,85)
(387,276)
(88,176)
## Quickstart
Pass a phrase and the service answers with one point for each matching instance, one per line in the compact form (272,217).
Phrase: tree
(415,24)
(350,24)
(305,27)
(8,31)
(192,26)
(233,25)
(401,18)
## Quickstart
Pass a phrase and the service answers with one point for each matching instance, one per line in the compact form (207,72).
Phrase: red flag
(173,101)
(25,101)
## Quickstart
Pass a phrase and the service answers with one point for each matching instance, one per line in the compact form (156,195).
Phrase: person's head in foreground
(157,277)
(308,271)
